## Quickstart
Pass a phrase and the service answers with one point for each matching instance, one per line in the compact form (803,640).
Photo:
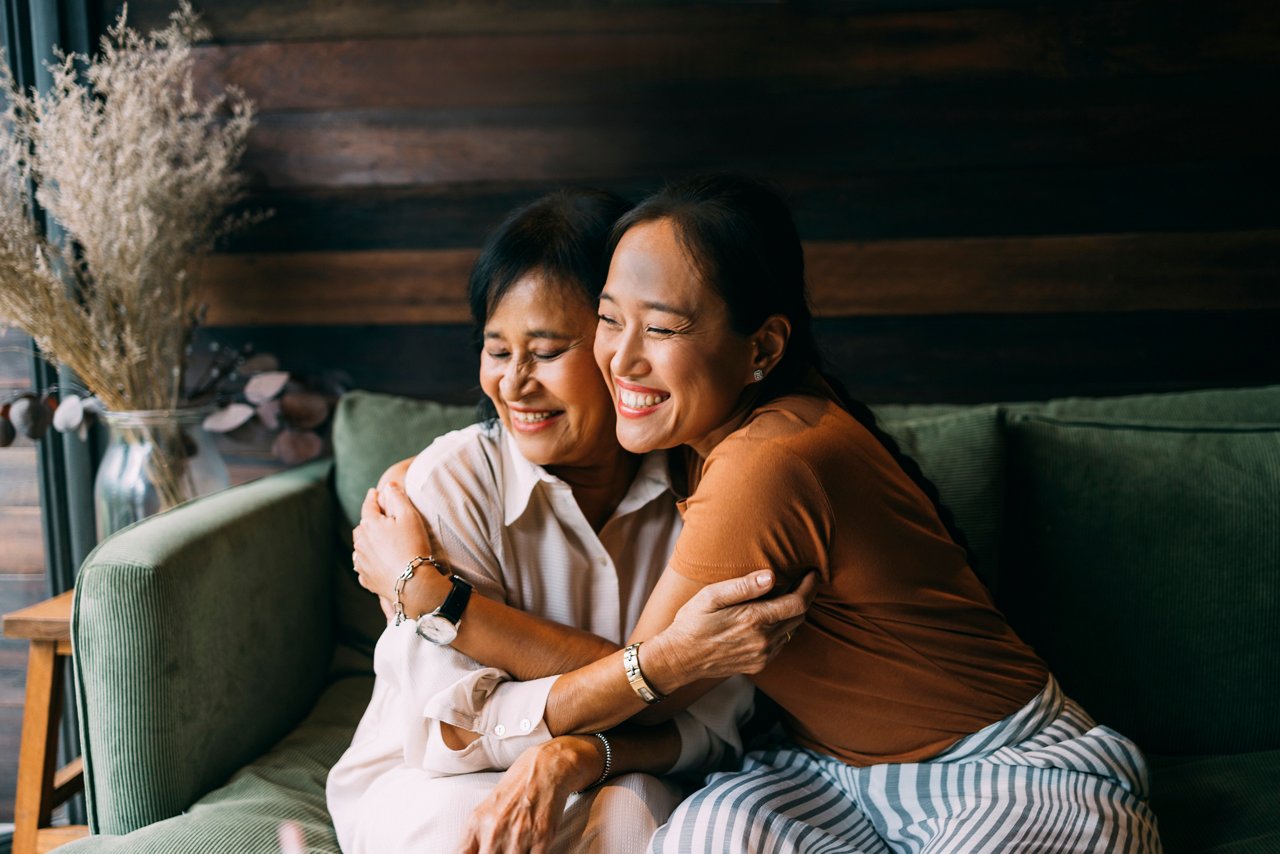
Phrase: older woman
(553,525)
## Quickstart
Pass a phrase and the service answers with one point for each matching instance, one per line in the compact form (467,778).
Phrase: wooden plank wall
(1000,199)
(22,578)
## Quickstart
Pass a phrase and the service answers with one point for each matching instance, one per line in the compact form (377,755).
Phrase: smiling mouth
(639,402)
(533,419)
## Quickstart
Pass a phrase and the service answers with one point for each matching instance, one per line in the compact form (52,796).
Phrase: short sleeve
(453,483)
(758,506)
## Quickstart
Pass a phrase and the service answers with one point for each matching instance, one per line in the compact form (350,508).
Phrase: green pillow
(1143,563)
(962,452)
(371,432)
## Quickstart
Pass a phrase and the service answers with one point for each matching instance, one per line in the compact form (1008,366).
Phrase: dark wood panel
(437,361)
(247,20)
(1130,32)
(964,358)
(1229,270)
(723,126)
(789,50)
(1060,199)
(21,541)
(979,358)
(18,476)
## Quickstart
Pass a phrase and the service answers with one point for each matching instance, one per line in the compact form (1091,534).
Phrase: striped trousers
(1044,779)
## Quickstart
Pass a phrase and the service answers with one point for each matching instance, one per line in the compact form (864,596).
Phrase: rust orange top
(903,652)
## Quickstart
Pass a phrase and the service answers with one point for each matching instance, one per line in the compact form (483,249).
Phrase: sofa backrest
(1034,514)
(1135,542)
(370,433)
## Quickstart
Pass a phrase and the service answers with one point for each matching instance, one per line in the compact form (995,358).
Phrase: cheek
(489,381)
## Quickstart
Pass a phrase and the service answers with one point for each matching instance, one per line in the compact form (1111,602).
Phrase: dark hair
(740,236)
(563,236)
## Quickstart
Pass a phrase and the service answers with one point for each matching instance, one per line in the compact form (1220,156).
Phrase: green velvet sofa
(222,649)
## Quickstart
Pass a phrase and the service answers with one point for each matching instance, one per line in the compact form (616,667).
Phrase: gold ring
(788,637)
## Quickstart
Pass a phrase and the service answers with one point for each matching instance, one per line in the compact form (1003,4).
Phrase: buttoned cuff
(508,716)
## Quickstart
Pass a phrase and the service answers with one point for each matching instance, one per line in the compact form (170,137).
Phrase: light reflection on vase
(154,460)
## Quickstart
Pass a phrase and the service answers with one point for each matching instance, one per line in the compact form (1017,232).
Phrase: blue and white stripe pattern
(1044,779)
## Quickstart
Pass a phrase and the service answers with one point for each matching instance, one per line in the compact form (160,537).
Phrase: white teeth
(530,417)
(632,400)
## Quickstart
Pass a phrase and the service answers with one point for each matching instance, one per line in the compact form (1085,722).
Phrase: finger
(807,589)
(785,607)
(735,591)
(370,509)
(395,500)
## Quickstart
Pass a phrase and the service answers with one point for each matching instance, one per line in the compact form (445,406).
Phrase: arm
(715,639)
(392,532)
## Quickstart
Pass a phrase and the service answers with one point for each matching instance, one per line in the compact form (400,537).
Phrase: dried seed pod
(269,414)
(260,363)
(228,418)
(69,415)
(264,387)
(297,446)
(7,432)
(304,409)
(30,416)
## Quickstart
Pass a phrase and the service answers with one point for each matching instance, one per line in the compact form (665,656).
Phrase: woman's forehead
(652,265)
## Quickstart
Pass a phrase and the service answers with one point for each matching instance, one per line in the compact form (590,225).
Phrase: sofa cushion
(1257,405)
(962,453)
(1143,563)
(285,784)
(371,432)
(1219,804)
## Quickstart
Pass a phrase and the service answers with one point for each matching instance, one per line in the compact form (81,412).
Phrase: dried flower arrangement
(138,173)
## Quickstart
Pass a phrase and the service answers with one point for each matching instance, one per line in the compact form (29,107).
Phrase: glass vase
(154,460)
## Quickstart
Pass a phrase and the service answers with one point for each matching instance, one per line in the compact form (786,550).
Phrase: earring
(758,375)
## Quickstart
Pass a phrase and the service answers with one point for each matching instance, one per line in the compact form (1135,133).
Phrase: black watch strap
(456,602)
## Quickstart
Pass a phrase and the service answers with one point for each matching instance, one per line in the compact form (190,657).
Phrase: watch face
(436,629)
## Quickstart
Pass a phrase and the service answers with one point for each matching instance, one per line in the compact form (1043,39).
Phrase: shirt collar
(520,477)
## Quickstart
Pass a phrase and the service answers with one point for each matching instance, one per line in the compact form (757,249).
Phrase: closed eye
(607,320)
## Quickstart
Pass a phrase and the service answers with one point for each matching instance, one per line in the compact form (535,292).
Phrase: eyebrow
(535,333)
(656,306)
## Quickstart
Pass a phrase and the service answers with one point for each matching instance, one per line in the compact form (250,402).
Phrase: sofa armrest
(201,636)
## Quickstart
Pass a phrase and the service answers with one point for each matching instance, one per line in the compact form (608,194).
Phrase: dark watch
(441,625)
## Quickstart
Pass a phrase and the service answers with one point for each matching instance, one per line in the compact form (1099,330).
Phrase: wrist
(424,592)
(575,761)
(661,664)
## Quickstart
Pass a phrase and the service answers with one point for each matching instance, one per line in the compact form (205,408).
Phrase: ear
(769,343)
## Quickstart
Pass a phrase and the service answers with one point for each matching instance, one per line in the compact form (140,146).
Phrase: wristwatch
(441,625)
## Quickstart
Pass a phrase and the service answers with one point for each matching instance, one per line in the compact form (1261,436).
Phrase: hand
(726,629)
(390,534)
(523,812)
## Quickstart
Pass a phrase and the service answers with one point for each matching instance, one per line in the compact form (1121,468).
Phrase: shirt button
(500,729)
(525,724)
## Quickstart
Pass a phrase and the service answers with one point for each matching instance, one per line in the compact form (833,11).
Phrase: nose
(628,356)
(517,380)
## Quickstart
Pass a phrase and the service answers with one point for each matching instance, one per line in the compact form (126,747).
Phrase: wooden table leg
(37,760)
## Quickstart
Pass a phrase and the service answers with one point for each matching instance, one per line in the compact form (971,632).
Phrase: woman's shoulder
(795,420)
(471,455)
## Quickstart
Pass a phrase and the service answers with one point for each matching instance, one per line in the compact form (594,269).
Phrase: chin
(641,443)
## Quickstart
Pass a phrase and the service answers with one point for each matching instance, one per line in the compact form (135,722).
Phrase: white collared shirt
(517,533)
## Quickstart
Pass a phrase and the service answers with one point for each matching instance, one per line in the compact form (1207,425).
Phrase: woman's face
(675,368)
(538,370)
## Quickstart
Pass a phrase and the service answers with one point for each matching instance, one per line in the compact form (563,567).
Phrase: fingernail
(763,579)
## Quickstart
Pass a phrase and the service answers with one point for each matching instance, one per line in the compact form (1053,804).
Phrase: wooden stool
(41,784)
